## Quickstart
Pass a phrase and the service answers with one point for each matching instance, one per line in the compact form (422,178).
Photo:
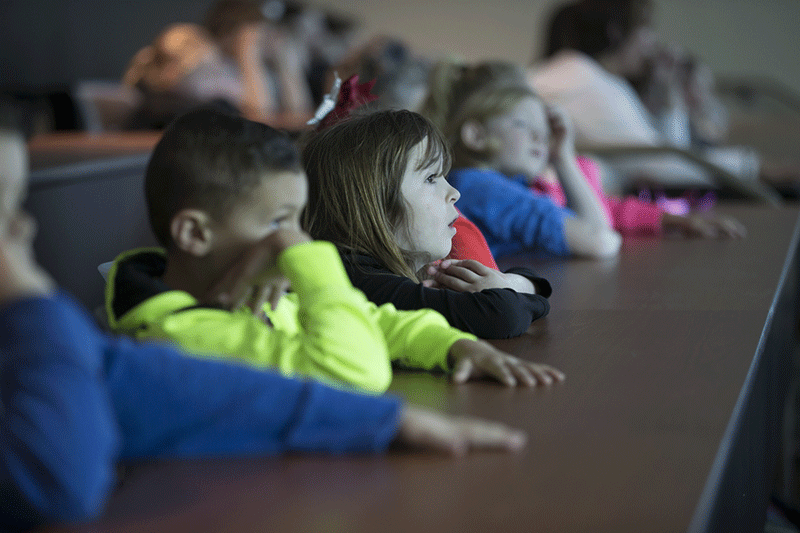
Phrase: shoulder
(467,177)
(566,67)
(153,311)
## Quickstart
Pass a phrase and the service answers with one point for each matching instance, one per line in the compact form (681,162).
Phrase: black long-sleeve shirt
(488,314)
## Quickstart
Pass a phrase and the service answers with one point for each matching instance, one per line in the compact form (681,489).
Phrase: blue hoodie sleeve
(59,438)
(511,216)
(168,404)
(75,400)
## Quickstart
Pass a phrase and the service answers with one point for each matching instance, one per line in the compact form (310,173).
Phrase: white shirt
(607,111)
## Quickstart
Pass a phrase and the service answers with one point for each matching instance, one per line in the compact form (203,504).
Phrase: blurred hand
(420,428)
(254,276)
(703,226)
(246,44)
(477,359)
(19,274)
(562,136)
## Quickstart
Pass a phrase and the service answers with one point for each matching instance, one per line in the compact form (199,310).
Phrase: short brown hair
(355,169)
(208,159)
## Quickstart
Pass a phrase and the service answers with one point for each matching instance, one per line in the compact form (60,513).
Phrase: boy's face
(13,173)
(523,139)
(276,203)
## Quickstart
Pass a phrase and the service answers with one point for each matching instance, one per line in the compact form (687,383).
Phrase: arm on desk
(751,189)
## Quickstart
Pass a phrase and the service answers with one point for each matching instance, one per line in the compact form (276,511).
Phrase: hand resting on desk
(420,428)
(476,359)
(469,275)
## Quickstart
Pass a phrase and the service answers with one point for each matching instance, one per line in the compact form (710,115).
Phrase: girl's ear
(191,231)
(474,136)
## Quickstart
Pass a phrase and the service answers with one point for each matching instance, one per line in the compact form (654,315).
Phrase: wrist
(457,351)
(520,283)
(565,155)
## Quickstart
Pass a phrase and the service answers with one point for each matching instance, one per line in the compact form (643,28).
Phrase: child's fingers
(463,370)
(234,288)
(262,295)
(466,274)
(531,374)
(497,366)
(444,280)
(470,264)
(242,299)
(732,228)
(427,429)
(487,435)
(545,374)
(555,373)
(276,295)
(468,271)
(527,375)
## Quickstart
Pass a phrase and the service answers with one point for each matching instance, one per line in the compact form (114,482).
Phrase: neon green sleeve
(325,329)
(418,339)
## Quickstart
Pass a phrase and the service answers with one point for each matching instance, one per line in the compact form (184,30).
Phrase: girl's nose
(453,195)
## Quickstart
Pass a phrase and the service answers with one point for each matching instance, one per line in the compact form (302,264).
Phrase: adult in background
(238,56)
(606,65)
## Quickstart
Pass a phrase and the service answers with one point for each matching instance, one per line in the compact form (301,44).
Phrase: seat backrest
(87,214)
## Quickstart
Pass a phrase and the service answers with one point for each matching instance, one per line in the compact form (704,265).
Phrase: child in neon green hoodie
(224,197)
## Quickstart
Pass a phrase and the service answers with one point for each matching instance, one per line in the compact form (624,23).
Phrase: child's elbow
(56,501)
(81,489)
(74,504)
(602,243)
(378,379)
(607,244)
(373,378)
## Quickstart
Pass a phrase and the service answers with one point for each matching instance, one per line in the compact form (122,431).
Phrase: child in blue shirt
(500,134)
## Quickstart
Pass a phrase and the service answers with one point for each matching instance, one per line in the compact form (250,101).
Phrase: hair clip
(328,101)
(347,97)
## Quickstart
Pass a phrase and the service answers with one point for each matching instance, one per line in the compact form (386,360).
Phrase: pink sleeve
(629,214)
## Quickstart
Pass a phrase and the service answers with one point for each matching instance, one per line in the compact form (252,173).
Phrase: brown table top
(656,345)
(67,148)
(62,148)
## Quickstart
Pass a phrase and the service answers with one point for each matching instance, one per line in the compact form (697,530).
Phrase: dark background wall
(46,44)
(50,42)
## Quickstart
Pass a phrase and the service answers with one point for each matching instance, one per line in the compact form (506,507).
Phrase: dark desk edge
(85,171)
(710,499)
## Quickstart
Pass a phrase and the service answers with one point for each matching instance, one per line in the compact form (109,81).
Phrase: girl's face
(431,208)
(523,139)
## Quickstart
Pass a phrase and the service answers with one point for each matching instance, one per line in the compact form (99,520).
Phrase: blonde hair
(458,93)
(355,169)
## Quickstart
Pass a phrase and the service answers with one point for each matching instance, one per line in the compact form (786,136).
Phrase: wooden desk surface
(65,148)
(657,346)
(68,148)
